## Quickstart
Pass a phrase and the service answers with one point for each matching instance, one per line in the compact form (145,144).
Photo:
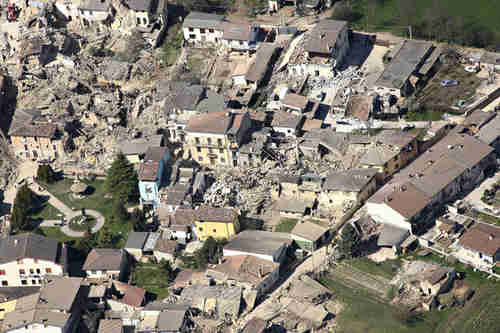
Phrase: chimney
(15,241)
(490,237)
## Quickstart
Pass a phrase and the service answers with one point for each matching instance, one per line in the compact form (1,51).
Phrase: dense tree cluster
(23,203)
(350,241)
(121,181)
(46,174)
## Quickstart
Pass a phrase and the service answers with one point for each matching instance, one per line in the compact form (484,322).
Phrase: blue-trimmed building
(151,173)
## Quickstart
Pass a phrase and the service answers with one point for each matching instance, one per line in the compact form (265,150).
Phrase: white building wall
(239,80)
(229,253)
(34,271)
(382,213)
(37,328)
(285,130)
(196,35)
(68,10)
(162,255)
(102,274)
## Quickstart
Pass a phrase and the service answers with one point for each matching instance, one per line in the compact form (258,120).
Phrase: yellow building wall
(217,230)
(134,159)
(204,149)
(7,307)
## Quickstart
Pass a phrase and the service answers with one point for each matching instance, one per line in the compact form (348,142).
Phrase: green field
(461,21)
(151,277)
(286,225)
(386,269)
(45,212)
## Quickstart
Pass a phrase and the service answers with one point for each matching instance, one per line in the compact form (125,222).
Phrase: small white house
(203,27)
(106,264)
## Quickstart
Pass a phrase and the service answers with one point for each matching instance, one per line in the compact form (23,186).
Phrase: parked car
(449,83)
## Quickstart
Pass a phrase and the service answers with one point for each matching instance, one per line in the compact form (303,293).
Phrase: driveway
(474,197)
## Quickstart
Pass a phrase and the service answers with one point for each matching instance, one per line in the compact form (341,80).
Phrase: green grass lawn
(153,278)
(84,226)
(96,200)
(485,217)
(385,16)
(364,314)
(286,225)
(386,269)
(424,115)
(55,232)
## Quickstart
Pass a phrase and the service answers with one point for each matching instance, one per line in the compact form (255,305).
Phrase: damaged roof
(133,296)
(40,130)
(322,38)
(188,97)
(262,62)
(410,54)
(140,5)
(246,268)
(95,5)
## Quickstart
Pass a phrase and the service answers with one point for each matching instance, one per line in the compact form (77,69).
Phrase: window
(192,36)
(219,142)
(210,150)
(2,271)
(198,149)
(200,228)
(396,158)
(202,31)
(197,140)
(144,21)
(22,271)
(138,21)
(191,29)
(32,271)
(209,141)
(5,283)
(48,270)
(33,281)
(93,272)
(200,158)
(38,271)
(241,43)
(316,73)
(214,230)
(211,31)
(24,282)
(35,260)
(19,261)
(222,160)
(221,151)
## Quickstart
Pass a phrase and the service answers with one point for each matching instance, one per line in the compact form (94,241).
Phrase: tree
(167,267)
(344,12)
(88,242)
(20,220)
(138,219)
(106,238)
(209,252)
(350,241)
(119,212)
(45,174)
(122,181)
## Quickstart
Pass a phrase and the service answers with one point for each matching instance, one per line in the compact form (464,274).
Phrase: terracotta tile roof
(133,296)
(103,259)
(41,130)
(322,38)
(237,31)
(215,214)
(312,124)
(407,200)
(185,276)
(148,171)
(183,216)
(482,238)
(308,230)
(110,326)
(165,246)
(214,123)
(295,101)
